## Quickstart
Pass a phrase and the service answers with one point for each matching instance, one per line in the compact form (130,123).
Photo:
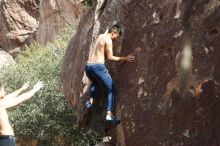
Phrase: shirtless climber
(97,72)
(10,100)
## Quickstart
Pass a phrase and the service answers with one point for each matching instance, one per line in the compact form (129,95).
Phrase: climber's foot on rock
(112,119)
(89,105)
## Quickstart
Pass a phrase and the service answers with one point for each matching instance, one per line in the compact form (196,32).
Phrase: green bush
(87,2)
(46,116)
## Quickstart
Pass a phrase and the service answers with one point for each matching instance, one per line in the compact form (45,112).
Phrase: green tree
(46,117)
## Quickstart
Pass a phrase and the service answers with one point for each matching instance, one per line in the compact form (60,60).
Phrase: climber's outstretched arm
(10,102)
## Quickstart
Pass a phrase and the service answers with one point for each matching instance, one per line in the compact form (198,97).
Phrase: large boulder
(23,22)
(5,59)
(18,22)
(150,105)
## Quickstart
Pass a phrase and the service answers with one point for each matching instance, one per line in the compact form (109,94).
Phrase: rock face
(152,109)
(23,21)
(54,15)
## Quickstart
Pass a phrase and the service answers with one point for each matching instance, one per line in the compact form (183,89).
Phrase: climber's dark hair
(115,28)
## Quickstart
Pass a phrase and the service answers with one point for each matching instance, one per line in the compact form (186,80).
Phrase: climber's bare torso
(97,55)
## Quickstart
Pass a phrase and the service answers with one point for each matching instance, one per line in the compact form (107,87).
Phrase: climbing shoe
(112,119)
(89,105)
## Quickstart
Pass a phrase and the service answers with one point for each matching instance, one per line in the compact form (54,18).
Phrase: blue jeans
(98,74)
(7,140)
